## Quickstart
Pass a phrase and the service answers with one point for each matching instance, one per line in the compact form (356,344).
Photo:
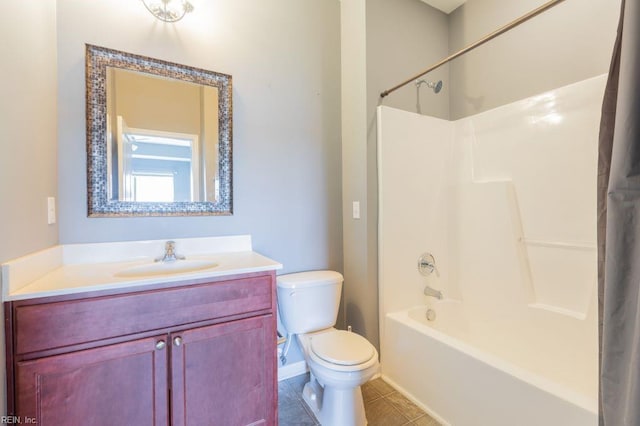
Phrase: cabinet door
(119,384)
(225,374)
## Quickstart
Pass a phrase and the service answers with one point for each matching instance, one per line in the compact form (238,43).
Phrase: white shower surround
(505,201)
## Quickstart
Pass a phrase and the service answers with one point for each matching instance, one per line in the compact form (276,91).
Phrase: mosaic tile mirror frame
(125,169)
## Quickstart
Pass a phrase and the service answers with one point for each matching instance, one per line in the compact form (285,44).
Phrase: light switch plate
(51,210)
(356,209)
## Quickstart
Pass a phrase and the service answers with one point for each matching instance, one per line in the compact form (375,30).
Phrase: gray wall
(27,134)
(568,43)
(383,42)
(357,251)
(403,38)
(27,126)
(284,59)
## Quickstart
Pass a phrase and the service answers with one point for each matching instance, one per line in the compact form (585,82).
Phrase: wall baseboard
(291,370)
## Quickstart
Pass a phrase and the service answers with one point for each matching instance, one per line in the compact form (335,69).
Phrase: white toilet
(340,361)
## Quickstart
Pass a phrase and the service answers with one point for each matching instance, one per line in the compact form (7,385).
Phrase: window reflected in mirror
(162,139)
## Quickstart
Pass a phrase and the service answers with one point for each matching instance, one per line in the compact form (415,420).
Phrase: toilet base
(335,407)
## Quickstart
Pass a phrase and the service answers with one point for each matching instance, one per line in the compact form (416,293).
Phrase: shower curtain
(619,228)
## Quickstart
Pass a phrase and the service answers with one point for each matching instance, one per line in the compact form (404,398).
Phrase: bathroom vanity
(191,348)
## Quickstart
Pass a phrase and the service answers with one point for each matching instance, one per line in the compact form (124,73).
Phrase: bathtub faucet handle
(427,264)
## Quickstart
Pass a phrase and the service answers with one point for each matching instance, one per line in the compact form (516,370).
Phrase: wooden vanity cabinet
(99,360)
(124,383)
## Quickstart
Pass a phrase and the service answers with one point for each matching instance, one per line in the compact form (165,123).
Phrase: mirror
(158,137)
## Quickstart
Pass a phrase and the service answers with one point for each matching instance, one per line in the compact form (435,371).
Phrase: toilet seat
(342,347)
(342,350)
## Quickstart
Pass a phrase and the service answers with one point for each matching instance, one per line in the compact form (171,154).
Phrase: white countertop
(80,268)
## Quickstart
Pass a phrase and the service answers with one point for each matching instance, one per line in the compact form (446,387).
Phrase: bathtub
(467,373)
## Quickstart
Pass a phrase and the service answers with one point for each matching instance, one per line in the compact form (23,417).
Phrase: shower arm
(480,42)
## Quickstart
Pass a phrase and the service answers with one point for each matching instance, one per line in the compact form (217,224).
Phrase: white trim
(292,370)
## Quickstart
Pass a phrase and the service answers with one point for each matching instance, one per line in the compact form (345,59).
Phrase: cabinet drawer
(53,325)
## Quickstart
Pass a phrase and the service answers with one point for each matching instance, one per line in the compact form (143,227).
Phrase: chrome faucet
(169,253)
(428,291)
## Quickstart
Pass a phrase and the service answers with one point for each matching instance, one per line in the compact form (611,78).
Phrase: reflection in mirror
(162,138)
(165,146)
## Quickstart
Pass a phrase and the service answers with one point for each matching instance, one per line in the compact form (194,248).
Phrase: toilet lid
(342,347)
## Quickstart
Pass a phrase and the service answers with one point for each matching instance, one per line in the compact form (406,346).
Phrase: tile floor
(383,404)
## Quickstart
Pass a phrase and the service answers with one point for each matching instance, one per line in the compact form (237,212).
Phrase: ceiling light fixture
(168,10)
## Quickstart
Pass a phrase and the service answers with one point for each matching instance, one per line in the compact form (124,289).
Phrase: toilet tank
(309,301)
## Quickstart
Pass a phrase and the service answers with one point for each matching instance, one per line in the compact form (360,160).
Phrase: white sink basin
(164,268)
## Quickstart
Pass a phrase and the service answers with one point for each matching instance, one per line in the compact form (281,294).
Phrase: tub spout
(428,291)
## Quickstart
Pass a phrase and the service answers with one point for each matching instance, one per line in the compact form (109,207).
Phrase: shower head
(436,86)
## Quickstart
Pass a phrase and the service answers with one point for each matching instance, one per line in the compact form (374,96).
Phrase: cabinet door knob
(177,341)
(160,344)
